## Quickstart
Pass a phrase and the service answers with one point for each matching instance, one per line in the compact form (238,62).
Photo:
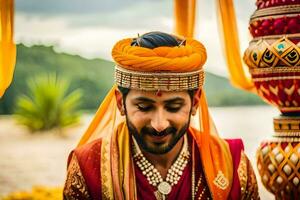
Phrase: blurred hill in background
(95,78)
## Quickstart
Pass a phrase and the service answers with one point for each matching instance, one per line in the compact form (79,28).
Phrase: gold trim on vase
(275,37)
(285,139)
(264,79)
(274,17)
(286,126)
(278,10)
(274,70)
(289,109)
(154,81)
(286,134)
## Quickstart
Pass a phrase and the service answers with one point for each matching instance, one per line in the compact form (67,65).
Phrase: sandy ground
(40,159)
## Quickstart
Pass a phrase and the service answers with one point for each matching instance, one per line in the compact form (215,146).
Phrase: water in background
(253,124)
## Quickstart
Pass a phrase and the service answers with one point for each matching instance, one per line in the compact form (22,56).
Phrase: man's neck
(164,161)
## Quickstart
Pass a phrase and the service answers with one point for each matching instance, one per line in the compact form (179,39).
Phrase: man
(144,142)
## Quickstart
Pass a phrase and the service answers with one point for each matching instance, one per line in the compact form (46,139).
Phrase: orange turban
(162,68)
(185,58)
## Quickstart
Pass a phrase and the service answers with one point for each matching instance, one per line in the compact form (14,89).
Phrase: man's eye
(144,108)
(173,109)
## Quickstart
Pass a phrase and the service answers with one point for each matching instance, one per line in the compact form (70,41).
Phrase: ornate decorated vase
(273,58)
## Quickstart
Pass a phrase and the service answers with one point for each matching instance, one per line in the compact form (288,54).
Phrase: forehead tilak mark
(158,93)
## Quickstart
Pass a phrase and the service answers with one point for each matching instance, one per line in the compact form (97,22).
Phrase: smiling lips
(158,138)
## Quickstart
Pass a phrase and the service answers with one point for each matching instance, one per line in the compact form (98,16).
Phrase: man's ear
(119,99)
(196,100)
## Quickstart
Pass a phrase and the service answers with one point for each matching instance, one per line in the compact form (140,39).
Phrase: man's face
(157,122)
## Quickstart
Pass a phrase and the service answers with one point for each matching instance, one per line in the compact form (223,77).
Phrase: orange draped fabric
(7,47)
(185,17)
(215,154)
(230,39)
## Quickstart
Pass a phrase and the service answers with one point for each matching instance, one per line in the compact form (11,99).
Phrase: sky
(90,28)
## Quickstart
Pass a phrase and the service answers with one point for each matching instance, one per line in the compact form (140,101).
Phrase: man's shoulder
(87,158)
(236,143)
(236,147)
(88,151)
(91,146)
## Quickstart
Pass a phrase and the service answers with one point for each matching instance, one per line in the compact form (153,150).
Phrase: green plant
(49,104)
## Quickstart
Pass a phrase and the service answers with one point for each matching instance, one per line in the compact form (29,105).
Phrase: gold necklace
(153,176)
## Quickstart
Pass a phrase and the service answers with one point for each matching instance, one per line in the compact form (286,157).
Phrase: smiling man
(152,137)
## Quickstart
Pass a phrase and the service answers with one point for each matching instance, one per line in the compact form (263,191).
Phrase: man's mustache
(152,131)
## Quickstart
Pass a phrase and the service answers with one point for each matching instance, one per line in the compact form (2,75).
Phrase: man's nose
(159,121)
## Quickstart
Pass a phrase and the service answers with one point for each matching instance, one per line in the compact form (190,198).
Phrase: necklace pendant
(164,188)
(159,196)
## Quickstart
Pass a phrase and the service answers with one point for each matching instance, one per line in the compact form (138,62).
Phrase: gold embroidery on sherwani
(106,179)
(75,186)
(249,188)
(221,181)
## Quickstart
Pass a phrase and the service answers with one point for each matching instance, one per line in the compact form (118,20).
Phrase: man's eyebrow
(179,99)
(144,99)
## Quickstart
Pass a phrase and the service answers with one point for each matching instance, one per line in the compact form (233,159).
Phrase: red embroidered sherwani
(84,176)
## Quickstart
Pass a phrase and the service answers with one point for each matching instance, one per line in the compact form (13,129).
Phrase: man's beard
(156,148)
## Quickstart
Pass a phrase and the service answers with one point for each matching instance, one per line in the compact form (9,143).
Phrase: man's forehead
(158,95)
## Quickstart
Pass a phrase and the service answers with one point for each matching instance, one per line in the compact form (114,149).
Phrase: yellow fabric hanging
(104,120)
(7,47)
(227,23)
(184,11)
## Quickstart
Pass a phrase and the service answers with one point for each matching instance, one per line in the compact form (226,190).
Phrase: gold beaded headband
(158,81)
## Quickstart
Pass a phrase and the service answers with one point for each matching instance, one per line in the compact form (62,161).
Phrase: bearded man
(152,137)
